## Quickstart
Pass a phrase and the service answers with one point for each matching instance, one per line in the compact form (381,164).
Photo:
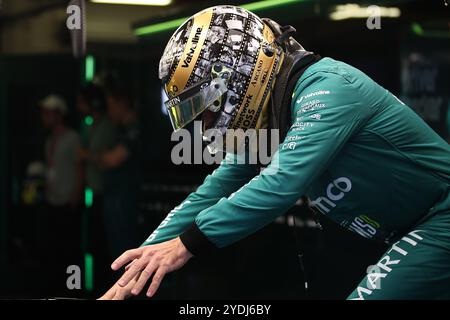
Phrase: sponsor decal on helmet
(190,54)
(192,43)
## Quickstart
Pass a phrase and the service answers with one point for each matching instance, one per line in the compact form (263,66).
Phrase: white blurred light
(136,2)
(351,11)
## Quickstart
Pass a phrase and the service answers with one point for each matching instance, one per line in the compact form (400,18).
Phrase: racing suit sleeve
(227,178)
(327,109)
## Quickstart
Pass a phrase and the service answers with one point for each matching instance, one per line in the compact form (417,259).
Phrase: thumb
(109,294)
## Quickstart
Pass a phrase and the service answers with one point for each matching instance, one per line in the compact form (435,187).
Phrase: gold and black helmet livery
(223,59)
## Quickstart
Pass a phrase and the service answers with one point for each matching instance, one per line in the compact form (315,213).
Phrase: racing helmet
(223,60)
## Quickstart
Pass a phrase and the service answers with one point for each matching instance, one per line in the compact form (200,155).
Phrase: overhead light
(136,2)
(260,5)
(158,27)
(355,11)
(173,24)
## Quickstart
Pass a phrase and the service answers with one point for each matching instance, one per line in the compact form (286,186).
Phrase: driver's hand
(120,293)
(145,263)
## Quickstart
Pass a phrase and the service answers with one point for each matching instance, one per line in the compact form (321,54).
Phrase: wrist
(196,241)
(183,251)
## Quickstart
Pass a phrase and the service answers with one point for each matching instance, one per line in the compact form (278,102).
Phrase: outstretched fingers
(156,281)
(145,275)
(125,257)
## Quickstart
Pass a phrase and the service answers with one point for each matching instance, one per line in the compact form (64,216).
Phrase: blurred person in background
(63,188)
(91,102)
(122,167)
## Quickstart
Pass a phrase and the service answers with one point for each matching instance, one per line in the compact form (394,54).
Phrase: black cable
(300,255)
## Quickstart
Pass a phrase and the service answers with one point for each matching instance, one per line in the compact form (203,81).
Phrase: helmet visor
(191,102)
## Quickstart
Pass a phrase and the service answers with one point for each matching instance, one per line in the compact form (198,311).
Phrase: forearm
(221,183)
(243,213)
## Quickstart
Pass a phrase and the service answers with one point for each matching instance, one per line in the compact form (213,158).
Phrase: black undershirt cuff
(196,242)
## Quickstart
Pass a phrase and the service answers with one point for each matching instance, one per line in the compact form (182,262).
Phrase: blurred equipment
(76,23)
(33,188)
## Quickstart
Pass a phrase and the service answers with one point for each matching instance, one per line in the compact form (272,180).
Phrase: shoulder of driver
(335,81)
(331,94)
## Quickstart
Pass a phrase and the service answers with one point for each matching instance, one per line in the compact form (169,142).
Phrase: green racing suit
(364,159)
